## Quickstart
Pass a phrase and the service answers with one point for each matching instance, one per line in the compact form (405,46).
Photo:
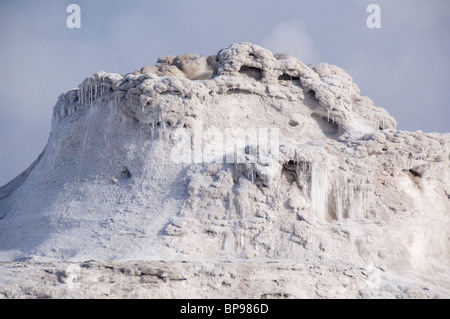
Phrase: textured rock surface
(138,167)
(256,280)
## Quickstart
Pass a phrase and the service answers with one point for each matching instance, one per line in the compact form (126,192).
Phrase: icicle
(252,176)
(350,199)
(225,242)
(328,116)
(357,204)
(85,139)
(360,202)
(84,94)
(338,201)
(86,91)
(90,93)
(319,190)
(242,207)
(366,202)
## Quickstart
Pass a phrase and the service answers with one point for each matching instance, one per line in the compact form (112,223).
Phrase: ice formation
(145,166)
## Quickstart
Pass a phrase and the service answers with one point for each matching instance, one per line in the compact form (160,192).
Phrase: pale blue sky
(403,67)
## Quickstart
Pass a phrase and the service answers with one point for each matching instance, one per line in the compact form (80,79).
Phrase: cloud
(400,66)
(292,38)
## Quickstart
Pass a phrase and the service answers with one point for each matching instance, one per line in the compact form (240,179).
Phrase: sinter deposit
(244,169)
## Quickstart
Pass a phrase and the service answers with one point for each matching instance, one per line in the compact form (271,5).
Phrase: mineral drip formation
(245,156)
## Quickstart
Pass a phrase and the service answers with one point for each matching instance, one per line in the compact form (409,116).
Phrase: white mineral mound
(244,156)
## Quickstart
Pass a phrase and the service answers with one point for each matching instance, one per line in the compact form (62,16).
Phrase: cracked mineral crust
(233,163)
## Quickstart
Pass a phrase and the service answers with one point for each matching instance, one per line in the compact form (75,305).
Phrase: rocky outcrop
(242,157)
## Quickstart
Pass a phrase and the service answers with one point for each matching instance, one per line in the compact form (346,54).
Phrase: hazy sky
(403,66)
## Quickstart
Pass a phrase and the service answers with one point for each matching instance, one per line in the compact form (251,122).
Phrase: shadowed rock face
(239,157)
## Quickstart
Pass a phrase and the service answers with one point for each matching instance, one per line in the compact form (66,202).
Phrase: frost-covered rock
(246,156)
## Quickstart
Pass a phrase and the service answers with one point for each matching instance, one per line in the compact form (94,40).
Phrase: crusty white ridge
(339,187)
